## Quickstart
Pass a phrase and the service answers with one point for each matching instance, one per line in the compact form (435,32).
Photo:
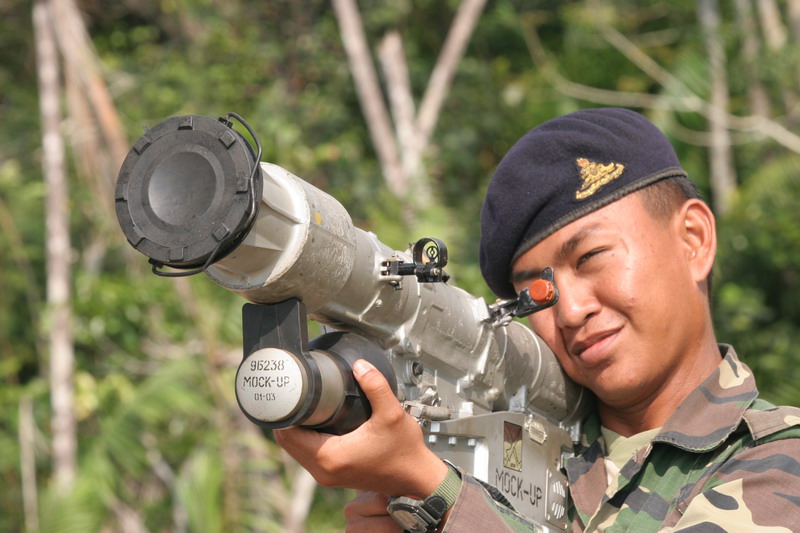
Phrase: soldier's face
(630,310)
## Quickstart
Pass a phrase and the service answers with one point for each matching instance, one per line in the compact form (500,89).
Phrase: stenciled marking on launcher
(512,446)
(274,377)
(595,175)
(520,490)
(269,385)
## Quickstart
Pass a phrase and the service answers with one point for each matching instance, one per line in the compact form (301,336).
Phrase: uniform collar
(701,422)
(707,416)
(714,409)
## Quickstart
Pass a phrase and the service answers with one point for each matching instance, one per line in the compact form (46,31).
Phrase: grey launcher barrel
(185,195)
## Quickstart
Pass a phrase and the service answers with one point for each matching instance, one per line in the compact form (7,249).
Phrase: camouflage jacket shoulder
(724,461)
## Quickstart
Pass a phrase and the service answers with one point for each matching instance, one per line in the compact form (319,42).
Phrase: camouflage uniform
(725,461)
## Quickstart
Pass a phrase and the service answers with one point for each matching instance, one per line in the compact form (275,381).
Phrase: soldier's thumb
(374,384)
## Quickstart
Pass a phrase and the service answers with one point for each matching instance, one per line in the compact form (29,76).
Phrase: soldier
(679,440)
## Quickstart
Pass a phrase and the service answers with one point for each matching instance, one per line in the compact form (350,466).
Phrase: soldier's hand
(367,514)
(386,454)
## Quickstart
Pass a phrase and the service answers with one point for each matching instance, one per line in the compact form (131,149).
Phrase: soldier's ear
(698,232)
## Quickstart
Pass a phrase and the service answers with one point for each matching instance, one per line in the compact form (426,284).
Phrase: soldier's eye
(585,257)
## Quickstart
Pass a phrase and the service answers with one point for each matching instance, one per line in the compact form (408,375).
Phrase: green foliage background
(159,429)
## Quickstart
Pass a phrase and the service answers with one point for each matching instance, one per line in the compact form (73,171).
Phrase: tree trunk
(58,251)
(794,27)
(27,461)
(723,175)
(756,93)
(95,115)
(774,31)
(95,132)
(794,19)
(404,172)
(469,11)
(369,94)
(401,100)
(303,487)
(771,25)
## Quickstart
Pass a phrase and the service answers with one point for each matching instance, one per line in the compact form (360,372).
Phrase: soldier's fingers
(367,514)
(378,391)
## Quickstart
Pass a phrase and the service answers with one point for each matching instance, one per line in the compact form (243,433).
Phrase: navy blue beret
(560,171)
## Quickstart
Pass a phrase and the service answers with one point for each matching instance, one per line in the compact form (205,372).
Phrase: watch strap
(450,486)
(427,513)
(445,494)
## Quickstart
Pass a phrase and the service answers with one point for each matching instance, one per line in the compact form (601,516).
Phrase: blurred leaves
(759,262)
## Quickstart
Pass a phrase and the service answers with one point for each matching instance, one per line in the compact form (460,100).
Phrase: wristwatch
(423,516)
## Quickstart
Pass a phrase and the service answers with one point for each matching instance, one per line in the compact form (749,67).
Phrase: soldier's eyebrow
(572,243)
(567,249)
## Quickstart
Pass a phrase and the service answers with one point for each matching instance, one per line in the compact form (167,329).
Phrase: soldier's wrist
(428,514)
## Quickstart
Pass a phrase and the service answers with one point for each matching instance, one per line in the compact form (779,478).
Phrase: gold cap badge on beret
(595,175)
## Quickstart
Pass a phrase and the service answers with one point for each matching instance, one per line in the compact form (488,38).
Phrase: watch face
(409,521)
(411,516)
